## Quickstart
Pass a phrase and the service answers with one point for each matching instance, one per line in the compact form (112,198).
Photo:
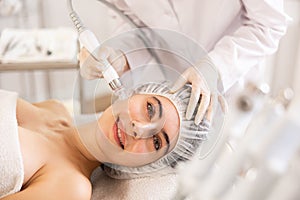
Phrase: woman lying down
(44,155)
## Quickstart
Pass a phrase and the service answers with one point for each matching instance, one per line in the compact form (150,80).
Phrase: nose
(143,130)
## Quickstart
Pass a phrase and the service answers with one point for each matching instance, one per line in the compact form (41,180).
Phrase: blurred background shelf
(38,66)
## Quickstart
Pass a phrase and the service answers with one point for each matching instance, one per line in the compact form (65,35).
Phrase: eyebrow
(167,140)
(159,105)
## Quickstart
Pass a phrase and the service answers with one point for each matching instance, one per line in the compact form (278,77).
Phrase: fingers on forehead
(211,108)
(204,105)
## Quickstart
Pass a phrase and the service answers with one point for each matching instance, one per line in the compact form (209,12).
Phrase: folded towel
(11,164)
(146,188)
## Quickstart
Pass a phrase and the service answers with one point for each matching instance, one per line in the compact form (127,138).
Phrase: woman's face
(146,128)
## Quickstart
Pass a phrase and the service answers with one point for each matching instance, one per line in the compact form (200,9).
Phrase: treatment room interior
(58,78)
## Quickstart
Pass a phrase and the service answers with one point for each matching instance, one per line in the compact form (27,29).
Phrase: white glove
(90,68)
(199,89)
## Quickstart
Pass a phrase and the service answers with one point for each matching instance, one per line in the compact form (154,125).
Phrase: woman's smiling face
(145,125)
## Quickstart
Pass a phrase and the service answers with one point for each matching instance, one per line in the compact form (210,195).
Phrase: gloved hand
(90,68)
(200,89)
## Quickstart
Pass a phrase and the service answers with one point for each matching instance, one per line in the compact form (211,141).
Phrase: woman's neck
(84,159)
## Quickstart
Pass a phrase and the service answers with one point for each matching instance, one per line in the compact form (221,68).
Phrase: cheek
(139,146)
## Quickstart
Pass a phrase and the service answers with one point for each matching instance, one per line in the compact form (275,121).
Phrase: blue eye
(150,110)
(157,142)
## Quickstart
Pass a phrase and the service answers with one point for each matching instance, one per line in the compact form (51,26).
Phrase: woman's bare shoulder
(71,185)
(57,185)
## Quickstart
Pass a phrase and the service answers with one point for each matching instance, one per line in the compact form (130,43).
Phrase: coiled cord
(75,18)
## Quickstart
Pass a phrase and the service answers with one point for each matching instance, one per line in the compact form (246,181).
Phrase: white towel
(11,164)
(146,188)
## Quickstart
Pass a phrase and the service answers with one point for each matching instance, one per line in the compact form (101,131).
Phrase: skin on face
(144,109)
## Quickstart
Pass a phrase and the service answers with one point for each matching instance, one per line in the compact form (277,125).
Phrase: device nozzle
(115,84)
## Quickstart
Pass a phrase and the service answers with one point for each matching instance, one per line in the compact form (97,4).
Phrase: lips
(119,135)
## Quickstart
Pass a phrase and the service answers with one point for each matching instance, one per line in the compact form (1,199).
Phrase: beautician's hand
(90,68)
(200,89)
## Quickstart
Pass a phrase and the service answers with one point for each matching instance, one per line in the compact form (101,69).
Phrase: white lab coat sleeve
(263,24)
